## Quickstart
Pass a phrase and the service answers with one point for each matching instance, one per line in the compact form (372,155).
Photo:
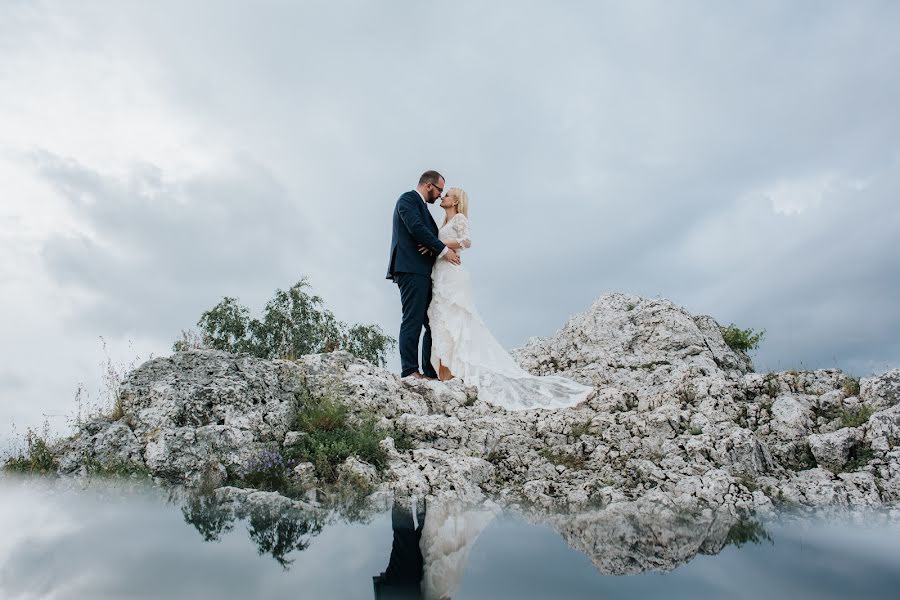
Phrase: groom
(414,245)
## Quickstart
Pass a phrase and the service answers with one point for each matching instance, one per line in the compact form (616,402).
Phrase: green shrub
(742,339)
(293,323)
(332,436)
(117,468)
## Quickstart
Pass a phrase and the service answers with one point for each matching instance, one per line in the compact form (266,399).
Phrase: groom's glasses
(439,189)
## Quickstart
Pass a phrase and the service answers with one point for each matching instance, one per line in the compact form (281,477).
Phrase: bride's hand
(452,257)
(423,250)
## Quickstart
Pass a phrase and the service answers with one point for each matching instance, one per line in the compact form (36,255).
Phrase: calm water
(112,542)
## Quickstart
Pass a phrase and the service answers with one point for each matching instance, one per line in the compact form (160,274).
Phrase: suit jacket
(413,225)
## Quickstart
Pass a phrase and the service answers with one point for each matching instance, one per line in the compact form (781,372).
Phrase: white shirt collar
(420,194)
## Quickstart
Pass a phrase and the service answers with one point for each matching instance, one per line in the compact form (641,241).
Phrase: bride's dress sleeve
(461,228)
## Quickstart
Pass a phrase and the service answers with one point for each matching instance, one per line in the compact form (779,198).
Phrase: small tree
(293,323)
(368,342)
(224,327)
(742,339)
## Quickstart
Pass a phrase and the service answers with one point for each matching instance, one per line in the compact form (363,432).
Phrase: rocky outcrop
(677,414)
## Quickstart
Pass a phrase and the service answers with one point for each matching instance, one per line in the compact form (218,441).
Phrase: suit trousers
(415,296)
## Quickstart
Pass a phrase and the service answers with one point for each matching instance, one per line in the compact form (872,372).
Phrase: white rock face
(353,468)
(882,391)
(832,450)
(677,415)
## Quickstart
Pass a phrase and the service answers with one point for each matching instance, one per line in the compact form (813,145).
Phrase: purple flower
(266,460)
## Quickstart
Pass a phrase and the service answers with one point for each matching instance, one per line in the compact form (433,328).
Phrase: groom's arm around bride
(413,226)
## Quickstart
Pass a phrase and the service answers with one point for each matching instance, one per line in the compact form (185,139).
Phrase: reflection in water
(206,514)
(431,544)
(277,527)
(650,534)
(278,533)
(744,532)
(447,539)
(402,578)
(61,538)
(430,548)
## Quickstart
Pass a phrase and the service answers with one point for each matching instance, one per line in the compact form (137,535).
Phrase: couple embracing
(436,294)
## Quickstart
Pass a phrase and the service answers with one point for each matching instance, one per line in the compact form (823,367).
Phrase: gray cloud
(10,381)
(156,253)
(606,147)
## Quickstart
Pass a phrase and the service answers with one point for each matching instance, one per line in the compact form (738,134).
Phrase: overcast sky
(742,161)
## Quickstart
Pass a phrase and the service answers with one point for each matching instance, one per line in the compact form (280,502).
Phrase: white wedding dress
(462,343)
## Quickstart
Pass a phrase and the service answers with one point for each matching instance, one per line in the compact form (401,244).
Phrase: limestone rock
(882,391)
(355,469)
(832,450)
(677,416)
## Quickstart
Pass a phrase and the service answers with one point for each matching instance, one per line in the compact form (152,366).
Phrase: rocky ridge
(679,424)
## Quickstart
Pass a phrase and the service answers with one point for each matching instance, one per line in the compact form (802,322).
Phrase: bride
(462,345)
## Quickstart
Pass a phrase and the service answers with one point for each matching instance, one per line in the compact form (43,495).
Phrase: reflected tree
(277,526)
(279,533)
(747,531)
(208,516)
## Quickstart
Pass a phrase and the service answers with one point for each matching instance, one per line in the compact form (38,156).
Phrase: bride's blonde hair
(463,201)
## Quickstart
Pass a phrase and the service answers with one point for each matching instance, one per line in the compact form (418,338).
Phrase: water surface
(64,541)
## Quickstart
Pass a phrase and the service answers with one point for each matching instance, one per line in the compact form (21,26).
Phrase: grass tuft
(855,418)
(850,387)
(561,458)
(37,458)
(582,428)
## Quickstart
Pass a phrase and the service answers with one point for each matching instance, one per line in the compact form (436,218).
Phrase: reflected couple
(431,545)
(433,536)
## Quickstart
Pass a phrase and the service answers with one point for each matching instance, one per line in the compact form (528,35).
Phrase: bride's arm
(462,231)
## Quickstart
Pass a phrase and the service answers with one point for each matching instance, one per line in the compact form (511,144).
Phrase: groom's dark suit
(411,271)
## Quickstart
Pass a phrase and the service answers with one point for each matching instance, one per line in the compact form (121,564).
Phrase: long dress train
(462,342)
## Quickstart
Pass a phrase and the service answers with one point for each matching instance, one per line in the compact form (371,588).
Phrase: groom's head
(431,186)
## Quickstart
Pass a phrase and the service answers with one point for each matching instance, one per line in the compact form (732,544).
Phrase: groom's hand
(452,257)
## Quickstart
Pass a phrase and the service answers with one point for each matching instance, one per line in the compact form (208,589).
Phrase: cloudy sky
(743,162)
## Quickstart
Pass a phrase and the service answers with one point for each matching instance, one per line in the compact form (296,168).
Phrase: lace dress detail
(463,343)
